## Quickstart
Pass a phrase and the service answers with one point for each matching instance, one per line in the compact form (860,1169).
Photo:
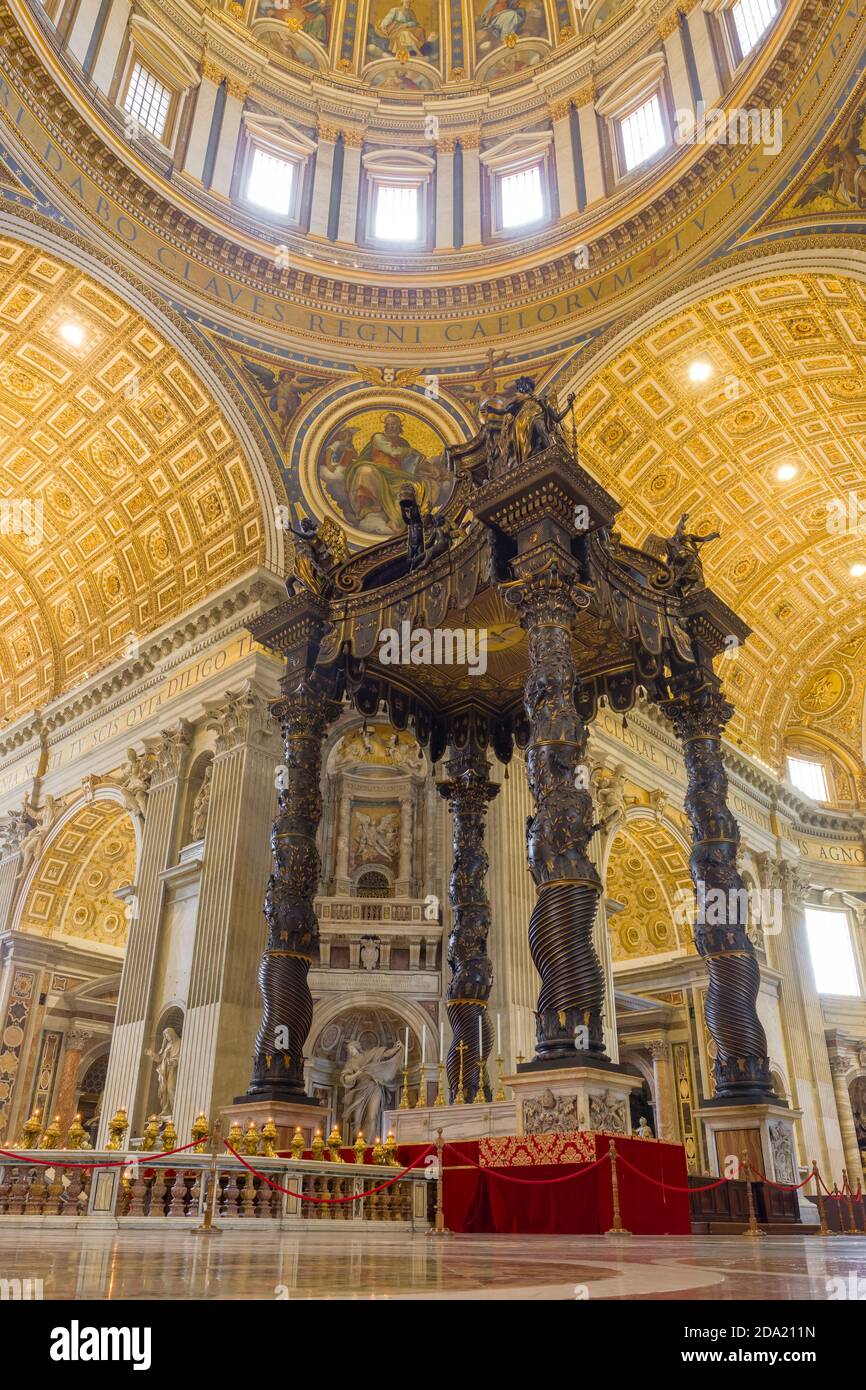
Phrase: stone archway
(370,1026)
(647,873)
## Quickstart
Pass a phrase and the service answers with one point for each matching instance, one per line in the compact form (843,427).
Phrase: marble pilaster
(227,145)
(112,41)
(202,119)
(224,1004)
(322,178)
(564,154)
(128,1067)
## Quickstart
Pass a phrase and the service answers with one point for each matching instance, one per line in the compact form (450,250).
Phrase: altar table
(480,1194)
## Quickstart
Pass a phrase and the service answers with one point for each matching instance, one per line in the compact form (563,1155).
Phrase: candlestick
(422,1090)
(404,1098)
(460,1098)
(500,1089)
(440,1092)
(480,1098)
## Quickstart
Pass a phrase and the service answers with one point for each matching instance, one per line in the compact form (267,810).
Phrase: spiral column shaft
(468,792)
(571,999)
(293,933)
(699,714)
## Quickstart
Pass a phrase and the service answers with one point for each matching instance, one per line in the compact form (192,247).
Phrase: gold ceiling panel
(787,386)
(124,495)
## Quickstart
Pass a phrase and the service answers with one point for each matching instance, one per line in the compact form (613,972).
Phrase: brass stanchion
(207,1228)
(851,1228)
(824,1229)
(439,1228)
(617,1229)
(753,1229)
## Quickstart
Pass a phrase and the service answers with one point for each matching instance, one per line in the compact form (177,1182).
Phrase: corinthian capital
(170,751)
(242,717)
(792,881)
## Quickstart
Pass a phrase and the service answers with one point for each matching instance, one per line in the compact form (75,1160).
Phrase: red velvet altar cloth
(476,1200)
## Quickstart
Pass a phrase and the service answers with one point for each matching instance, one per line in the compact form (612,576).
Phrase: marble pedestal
(573,1097)
(764,1132)
(419,1126)
(286,1115)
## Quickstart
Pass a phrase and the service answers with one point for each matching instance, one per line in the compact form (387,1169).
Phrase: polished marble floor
(259,1264)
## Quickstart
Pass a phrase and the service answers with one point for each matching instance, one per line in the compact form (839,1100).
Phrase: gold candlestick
(440,1090)
(500,1089)
(421,1102)
(480,1098)
(404,1098)
(460,1098)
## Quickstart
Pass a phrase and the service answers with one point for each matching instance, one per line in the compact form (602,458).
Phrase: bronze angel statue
(531,424)
(313,553)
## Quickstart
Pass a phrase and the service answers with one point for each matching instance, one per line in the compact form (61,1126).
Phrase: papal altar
(545,1184)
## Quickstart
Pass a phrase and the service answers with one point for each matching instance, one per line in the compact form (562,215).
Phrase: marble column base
(570,1098)
(286,1115)
(419,1126)
(762,1131)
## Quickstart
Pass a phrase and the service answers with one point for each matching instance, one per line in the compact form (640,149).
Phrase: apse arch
(645,869)
(410,1014)
(90,853)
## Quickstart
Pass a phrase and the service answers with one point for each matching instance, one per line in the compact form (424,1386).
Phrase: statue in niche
(366,1079)
(643,1130)
(682,553)
(38,825)
(317,548)
(531,423)
(200,806)
(166,1060)
(134,778)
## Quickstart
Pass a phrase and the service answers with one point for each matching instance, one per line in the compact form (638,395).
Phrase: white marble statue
(134,778)
(41,822)
(166,1060)
(200,807)
(366,1078)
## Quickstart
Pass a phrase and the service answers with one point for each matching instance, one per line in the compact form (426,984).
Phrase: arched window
(372,884)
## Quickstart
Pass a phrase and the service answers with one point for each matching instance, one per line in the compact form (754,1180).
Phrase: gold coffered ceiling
(73,893)
(126,496)
(788,386)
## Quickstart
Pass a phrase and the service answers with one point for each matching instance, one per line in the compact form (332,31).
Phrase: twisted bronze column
(468,791)
(699,713)
(570,1004)
(293,931)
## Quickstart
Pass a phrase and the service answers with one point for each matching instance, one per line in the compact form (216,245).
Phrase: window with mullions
(271,182)
(395,216)
(147,101)
(833,964)
(809,778)
(643,133)
(752,19)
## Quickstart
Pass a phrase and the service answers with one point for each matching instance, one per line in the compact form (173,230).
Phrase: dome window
(270,182)
(752,19)
(643,133)
(809,778)
(147,101)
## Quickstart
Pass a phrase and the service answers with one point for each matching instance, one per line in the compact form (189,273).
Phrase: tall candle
(406,1049)
(480,1038)
(441,1040)
(423,1044)
(499,1035)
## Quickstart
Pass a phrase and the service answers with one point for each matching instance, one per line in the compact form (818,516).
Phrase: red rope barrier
(138,1157)
(780,1186)
(669,1187)
(529,1182)
(330,1201)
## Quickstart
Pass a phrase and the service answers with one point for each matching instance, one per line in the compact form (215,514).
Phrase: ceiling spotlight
(700,370)
(858,570)
(71,333)
(785,472)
